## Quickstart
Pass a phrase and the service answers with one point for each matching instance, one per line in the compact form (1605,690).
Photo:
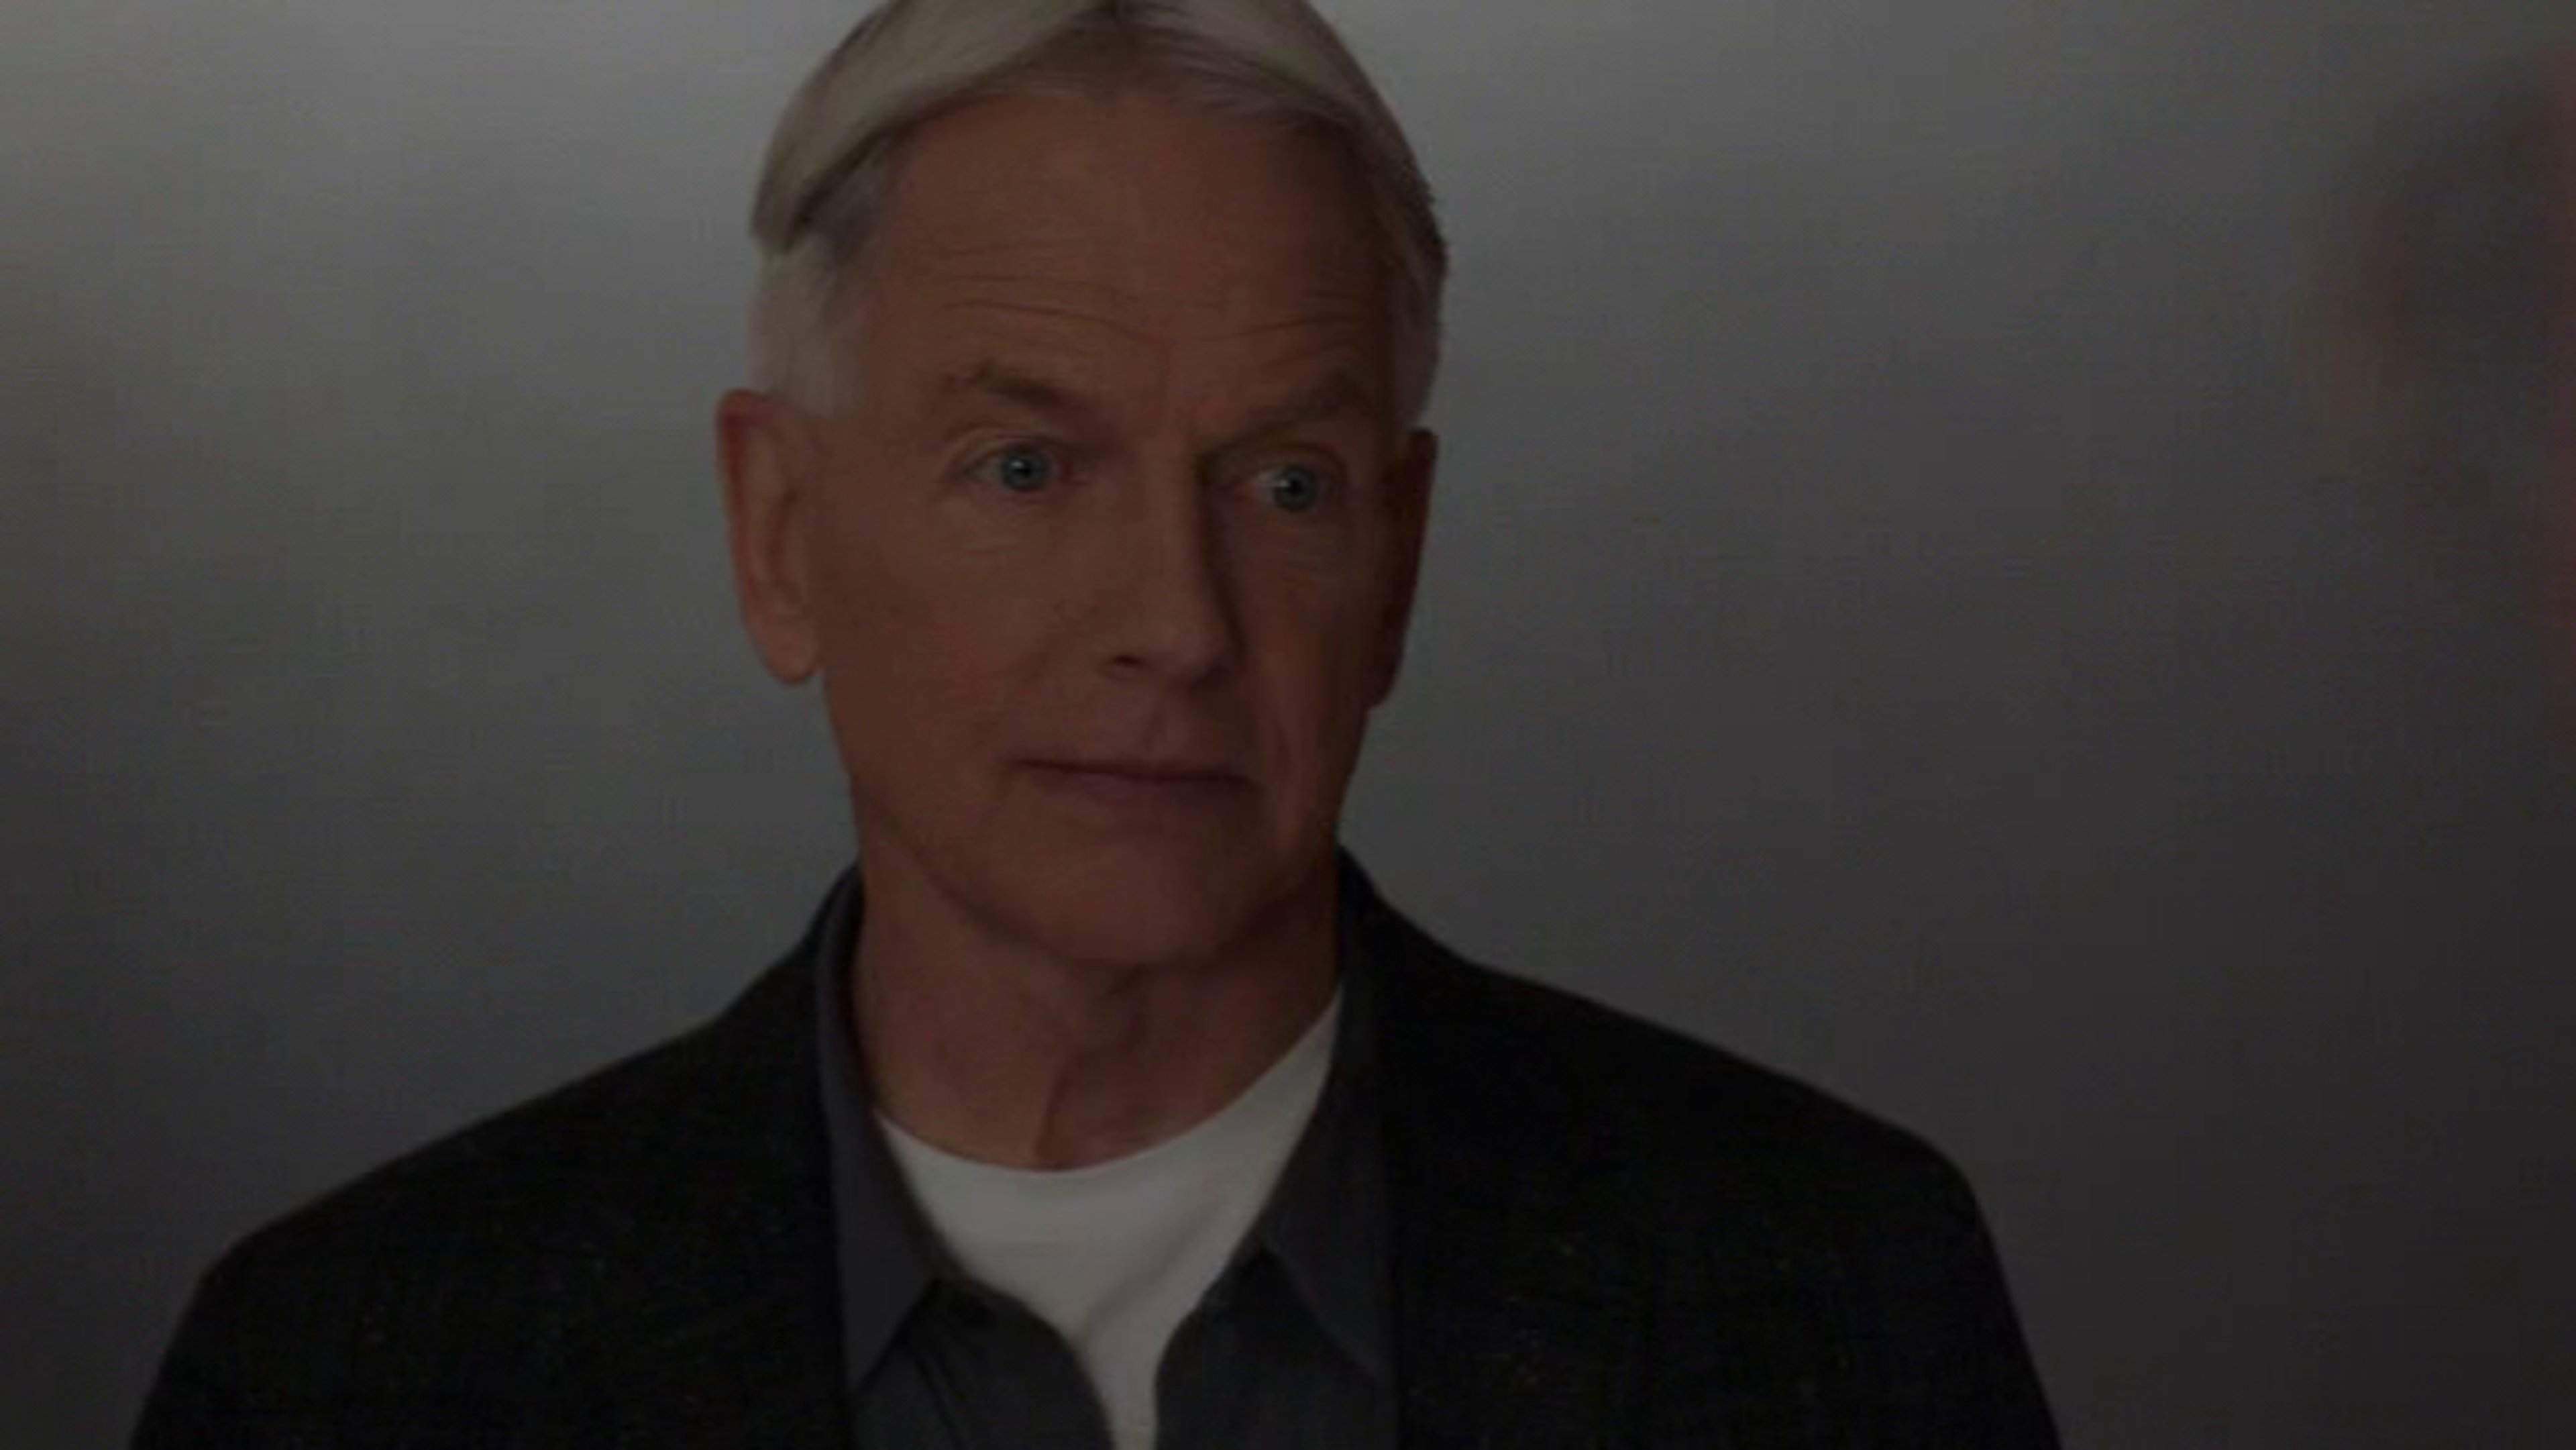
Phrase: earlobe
(1409,505)
(765,459)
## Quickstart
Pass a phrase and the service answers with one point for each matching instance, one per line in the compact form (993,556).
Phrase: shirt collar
(1326,1223)
(888,1257)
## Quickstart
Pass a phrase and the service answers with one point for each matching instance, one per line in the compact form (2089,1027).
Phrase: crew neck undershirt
(1115,1255)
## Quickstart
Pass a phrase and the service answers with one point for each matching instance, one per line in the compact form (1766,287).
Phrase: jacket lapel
(1518,1316)
(733,1334)
(1554,1288)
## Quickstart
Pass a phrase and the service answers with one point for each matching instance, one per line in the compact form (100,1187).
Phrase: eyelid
(984,453)
(1330,480)
(1324,471)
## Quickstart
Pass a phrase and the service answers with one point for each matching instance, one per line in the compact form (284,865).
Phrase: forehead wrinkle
(996,337)
(1298,351)
(981,307)
(1326,365)
(1037,270)
(1326,319)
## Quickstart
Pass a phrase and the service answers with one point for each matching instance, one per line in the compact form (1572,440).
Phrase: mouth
(1143,784)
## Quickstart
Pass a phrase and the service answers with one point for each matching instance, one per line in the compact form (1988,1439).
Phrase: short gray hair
(824,181)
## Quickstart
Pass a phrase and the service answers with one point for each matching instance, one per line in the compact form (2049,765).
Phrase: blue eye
(1294,488)
(1020,469)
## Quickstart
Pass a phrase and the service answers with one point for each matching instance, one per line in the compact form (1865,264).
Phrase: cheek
(919,655)
(1314,660)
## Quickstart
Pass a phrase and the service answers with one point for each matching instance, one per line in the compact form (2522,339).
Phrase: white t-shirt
(1115,1255)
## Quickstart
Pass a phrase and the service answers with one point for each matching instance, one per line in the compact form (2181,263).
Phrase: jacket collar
(1515,1315)
(736,1338)
(1512,1318)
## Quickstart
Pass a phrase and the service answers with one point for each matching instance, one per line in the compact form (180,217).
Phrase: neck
(999,1051)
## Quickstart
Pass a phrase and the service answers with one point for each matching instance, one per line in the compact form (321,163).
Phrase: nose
(1167,611)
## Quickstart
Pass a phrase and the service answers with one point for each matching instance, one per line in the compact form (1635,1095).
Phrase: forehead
(1122,221)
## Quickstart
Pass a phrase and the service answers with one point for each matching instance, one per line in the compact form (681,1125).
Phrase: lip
(1139,784)
(1149,772)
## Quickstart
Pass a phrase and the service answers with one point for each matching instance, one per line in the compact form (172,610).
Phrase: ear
(769,458)
(1408,497)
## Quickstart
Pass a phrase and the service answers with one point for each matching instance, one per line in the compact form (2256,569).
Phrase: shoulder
(479,1261)
(570,1160)
(1644,1120)
(1772,1255)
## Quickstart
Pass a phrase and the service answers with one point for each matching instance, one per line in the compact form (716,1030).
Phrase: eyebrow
(1027,390)
(1336,394)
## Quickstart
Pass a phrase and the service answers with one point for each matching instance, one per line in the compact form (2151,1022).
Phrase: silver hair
(824,182)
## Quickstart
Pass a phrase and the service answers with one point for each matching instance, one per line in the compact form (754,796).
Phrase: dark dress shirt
(1288,1350)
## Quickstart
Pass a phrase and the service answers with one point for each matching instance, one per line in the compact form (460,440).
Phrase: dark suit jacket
(1606,1235)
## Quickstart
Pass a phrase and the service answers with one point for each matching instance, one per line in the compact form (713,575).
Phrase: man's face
(1109,557)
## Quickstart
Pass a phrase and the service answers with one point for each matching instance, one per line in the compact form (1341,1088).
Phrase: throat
(1044,1067)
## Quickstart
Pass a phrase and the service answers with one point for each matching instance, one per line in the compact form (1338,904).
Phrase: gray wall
(1882,617)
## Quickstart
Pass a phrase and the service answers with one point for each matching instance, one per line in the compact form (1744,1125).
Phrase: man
(1104,1103)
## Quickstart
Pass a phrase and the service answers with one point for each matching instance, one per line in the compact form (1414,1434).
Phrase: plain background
(1883,615)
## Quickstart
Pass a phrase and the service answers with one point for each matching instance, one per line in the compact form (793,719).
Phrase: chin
(1148,909)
